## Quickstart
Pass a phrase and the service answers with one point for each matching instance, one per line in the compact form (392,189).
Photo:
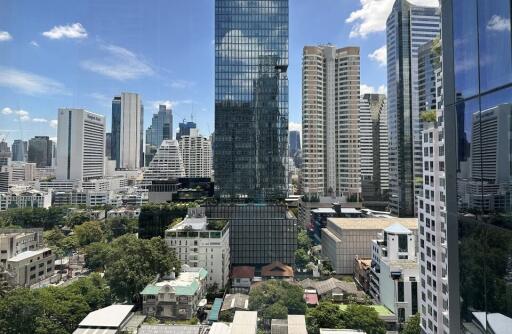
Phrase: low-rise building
(362,273)
(234,302)
(199,242)
(108,320)
(15,241)
(131,213)
(277,270)
(25,199)
(394,273)
(344,239)
(31,267)
(242,278)
(294,324)
(176,298)
(333,288)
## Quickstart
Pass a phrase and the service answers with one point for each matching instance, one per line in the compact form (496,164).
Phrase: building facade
(184,129)
(31,267)
(21,171)
(17,241)
(294,143)
(40,151)
(197,244)
(196,152)
(81,149)
(251,99)
(330,121)
(407,28)
(167,163)
(127,130)
(19,150)
(159,130)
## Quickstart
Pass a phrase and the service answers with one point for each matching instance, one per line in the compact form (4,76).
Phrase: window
(400,292)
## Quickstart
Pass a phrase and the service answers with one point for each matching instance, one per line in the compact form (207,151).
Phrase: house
(277,270)
(242,277)
(232,303)
(294,324)
(333,288)
(108,320)
(176,298)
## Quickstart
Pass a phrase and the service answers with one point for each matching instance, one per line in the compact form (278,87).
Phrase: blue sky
(80,53)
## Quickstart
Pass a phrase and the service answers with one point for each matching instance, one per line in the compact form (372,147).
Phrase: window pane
(465,47)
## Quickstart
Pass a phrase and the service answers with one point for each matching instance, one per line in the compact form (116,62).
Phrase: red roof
(242,272)
(311,298)
(277,269)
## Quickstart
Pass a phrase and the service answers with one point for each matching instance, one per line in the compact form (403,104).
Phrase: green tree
(93,289)
(97,255)
(364,318)
(412,326)
(301,258)
(266,296)
(325,315)
(133,263)
(303,240)
(88,232)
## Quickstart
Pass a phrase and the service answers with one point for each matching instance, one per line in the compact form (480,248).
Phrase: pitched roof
(110,317)
(242,272)
(277,269)
(323,287)
(397,229)
(235,301)
(180,289)
(311,298)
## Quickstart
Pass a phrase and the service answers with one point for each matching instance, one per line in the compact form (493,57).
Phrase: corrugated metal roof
(214,313)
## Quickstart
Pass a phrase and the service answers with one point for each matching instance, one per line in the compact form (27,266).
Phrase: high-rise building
(167,163)
(374,147)
(407,28)
(330,121)
(184,129)
(108,145)
(477,81)
(81,149)
(19,150)
(159,130)
(294,143)
(5,153)
(40,151)
(196,152)
(251,99)
(127,129)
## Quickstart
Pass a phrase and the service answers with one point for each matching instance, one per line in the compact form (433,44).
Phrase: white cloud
(29,83)
(53,139)
(119,63)
(182,84)
(372,15)
(171,104)
(34,43)
(23,115)
(40,120)
(5,36)
(366,89)
(380,56)
(7,111)
(54,123)
(498,23)
(75,30)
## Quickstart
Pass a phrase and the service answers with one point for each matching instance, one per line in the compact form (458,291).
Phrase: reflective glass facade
(251,99)
(478,109)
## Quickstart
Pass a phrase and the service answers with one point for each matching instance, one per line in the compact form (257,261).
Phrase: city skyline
(97,61)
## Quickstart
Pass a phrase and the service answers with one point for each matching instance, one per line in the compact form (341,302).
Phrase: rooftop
(196,224)
(244,322)
(397,229)
(373,223)
(186,284)
(235,301)
(28,254)
(381,309)
(111,316)
(168,329)
(276,269)
(242,272)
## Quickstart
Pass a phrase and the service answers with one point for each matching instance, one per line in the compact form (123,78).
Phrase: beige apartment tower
(330,121)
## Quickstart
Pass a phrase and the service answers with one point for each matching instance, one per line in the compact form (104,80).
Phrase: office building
(395,271)
(81,150)
(294,142)
(330,121)
(40,151)
(374,147)
(199,243)
(5,153)
(25,199)
(14,241)
(407,28)
(127,129)
(19,150)
(20,171)
(477,82)
(259,233)
(196,152)
(159,130)
(108,145)
(4,182)
(184,129)
(167,163)
(251,99)
(345,239)
(31,267)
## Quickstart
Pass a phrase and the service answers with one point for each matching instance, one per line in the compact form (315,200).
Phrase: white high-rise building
(330,121)
(432,223)
(196,152)
(167,163)
(407,28)
(373,141)
(81,149)
(127,130)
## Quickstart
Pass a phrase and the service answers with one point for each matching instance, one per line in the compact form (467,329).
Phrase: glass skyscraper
(251,99)
(477,60)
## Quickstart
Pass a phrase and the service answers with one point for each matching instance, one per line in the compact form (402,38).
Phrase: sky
(81,53)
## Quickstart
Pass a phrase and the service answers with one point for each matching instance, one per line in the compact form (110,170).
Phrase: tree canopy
(412,326)
(275,299)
